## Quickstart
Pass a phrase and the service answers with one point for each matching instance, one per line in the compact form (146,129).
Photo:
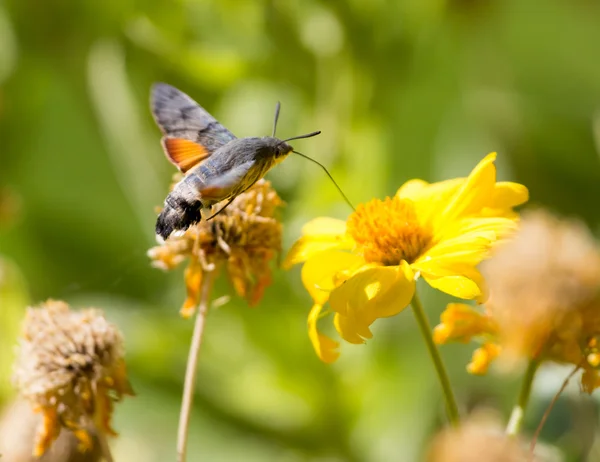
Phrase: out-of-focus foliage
(400,89)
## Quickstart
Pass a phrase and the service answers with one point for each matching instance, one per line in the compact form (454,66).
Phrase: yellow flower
(544,300)
(366,267)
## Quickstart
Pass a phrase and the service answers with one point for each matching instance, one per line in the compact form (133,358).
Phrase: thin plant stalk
(192,366)
(549,409)
(104,447)
(518,413)
(425,327)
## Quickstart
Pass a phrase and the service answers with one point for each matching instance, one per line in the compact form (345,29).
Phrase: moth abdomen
(177,215)
(182,208)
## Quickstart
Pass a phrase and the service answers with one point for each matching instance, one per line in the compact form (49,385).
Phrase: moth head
(282,149)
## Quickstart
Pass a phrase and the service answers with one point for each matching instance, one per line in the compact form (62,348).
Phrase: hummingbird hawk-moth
(217,165)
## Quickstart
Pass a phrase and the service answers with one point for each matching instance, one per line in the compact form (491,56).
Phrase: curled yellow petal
(325,271)
(460,322)
(351,329)
(325,347)
(482,357)
(372,293)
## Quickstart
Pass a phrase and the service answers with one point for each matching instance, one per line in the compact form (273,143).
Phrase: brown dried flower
(243,238)
(544,298)
(18,427)
(479,439)
(70,367)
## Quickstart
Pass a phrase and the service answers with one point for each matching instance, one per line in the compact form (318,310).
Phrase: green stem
(518,413)
(423,322)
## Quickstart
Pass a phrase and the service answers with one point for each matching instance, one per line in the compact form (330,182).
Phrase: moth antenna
(328,174)
(308,135)
(277,109)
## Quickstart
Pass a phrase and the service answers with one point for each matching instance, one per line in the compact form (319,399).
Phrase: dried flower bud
(244,237)
(544,300)
(479,439)
(18,425)
(70,367)
(544,287)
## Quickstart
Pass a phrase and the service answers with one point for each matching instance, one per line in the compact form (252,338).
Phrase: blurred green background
(401,89)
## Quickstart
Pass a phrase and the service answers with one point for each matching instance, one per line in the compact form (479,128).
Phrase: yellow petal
(460,251)
(460,322)
(457,286)
(320,274)
(508,195)
(419,190)
(372,293)
(474,194)
(319,235)
(411,188)
(482,357)
(325,347)
(429,199)
(490,227)
(324,226)
(351,330)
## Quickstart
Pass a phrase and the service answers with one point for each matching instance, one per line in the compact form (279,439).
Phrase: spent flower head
(70,367)
(366,267)
(544,299)
(243,238)
(478,439)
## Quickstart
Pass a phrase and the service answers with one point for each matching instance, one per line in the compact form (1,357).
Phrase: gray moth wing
(179,116)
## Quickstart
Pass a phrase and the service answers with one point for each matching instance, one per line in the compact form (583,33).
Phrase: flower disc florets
(388,231)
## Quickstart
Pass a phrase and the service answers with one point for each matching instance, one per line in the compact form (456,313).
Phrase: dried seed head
(544,287)
(18,427)
(70,367)
(479,439)
(243,238)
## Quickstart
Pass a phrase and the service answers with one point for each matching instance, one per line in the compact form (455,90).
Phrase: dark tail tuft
(176,219)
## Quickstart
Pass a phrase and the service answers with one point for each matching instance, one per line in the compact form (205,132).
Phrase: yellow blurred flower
(544,299)
(366,267)
(70,367)
(244,238)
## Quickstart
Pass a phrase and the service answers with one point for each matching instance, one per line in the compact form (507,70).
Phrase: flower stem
(424,326)
(104,447)
(549,409)
(192,366)
(518,413)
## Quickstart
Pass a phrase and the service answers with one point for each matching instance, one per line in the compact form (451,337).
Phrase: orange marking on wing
(185,154)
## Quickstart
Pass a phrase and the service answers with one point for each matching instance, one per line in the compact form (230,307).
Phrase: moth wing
(185,154)
(191,133)
(228,184)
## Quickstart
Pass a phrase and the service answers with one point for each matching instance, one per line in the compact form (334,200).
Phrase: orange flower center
(388,231)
